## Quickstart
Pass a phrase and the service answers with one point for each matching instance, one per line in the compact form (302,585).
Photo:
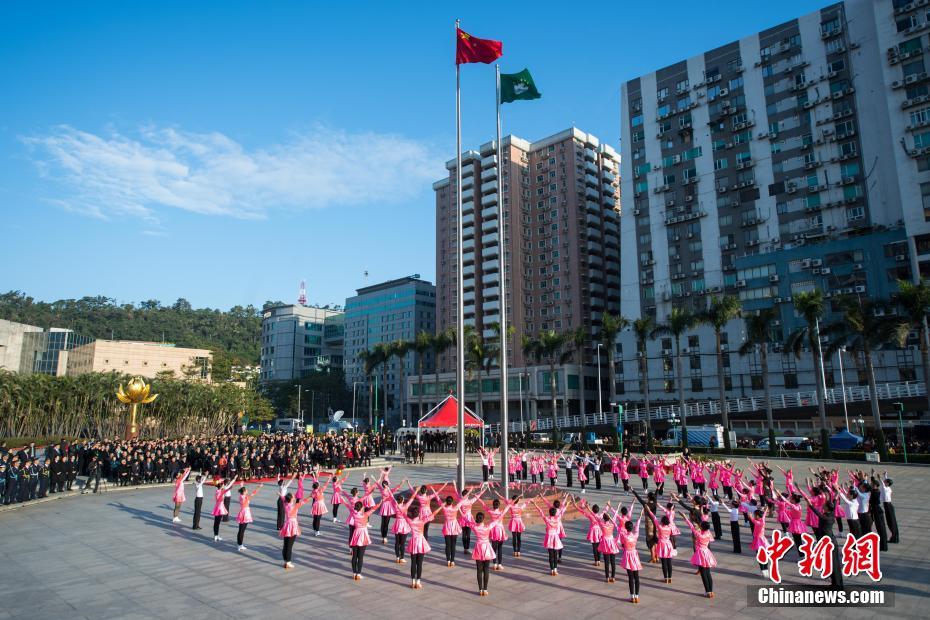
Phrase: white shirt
(714,506)
(734,515)
(199,486)
(282,490)
(863,501)
(850,506)
(886,494)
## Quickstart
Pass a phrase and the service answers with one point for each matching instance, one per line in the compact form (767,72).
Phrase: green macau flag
(518,86)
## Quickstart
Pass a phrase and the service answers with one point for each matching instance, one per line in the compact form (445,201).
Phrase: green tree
(679,321)
(914,300)
(421,345)
(644,327)
(719,312)
(864,329)
(759,334)
(553,348)
(810,306)
(371,359)
(611,326)
(400,349)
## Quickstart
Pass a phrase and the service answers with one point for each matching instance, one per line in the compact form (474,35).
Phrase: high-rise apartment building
(298,340)
(561,199)
(791,160)
(396,310)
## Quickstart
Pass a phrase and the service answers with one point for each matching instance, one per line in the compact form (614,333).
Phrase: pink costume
(643,468)
(360,537)
(400,525)
(594,528)
(516,517)
(245,513)
(417,542)
(817,501)
(781,510)
(702,555)
(630,558)
(582,476)
(387,509)
(291,525)
(614,465)
(319,504)
(658,472)
(714,479)
(624,467)
(664,548)
(368,501)
(795,524)
(484,551)
(726,477)
(178,496)
(498,533)
(337,492)
(424,499)
(671,521)
(219,510)
(607,544)
(465,518)
(300,488)
(450,525)
(551,539)
(553,469)
(758,533)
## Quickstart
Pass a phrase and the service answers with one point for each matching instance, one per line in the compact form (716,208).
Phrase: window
(720,164)
(791,381)
(925,200)
(637,120)
(922,139)
(697,384)
(661,94)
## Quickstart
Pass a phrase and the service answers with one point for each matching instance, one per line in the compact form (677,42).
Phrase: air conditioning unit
(724,92)
(825,271)
(900,257)
(773,277)
(806,263)
(817,271)
(636,211)
(860,289)
(857,266)
(740,283)
(816,262)
(689,198)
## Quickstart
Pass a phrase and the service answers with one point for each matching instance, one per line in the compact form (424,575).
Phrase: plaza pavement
(117,555)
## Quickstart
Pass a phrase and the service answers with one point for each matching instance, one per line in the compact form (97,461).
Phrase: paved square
(118,555)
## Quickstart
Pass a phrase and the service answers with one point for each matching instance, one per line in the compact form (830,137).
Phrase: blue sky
(223,151)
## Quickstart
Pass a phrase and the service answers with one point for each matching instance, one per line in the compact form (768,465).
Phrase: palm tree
(914,300)
(441,343)
(578,339)
(383,350)
(679,321)
(643,327)
(421,345)
(810,306)
(758,336)
(865,329)
(400,349)
(477,360)
(553,347)
(371,359)
(721,311)
(611,325)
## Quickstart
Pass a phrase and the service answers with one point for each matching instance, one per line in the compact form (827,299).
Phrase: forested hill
(234,335)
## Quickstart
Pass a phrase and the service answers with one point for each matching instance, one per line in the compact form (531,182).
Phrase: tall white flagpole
(460,337)
(501,246)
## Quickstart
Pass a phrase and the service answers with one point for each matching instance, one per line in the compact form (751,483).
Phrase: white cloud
(154,168)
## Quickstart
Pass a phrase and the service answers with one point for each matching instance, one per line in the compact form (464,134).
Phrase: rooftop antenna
(302,294)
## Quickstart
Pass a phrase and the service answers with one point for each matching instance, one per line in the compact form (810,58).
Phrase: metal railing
(785,400)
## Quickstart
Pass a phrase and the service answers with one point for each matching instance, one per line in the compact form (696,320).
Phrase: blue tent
(844,440)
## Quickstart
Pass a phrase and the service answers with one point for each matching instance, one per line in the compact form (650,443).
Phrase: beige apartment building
(562,217)
(143,359)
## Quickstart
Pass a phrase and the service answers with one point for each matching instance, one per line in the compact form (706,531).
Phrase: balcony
(468,240)
(469,297)
(468,220)
(489,252)
(608,176)
(490,173)
(591,180)
(488,213)
(594,246)
(488,161)
(491,265)
(468,194)
(489,226)
(469,310)
(491,292)
(595,289)
(589,154)
(467,184)
(490,186)
(468,284)
(468,207)
(609,190)
(468,270)
(490,199)
(592,206)
(490,332)
(591,193)
(490,239)
(590,166)
(468,257)
(593,220)
(490,306)
(596,274)
(490,278)
(593,232)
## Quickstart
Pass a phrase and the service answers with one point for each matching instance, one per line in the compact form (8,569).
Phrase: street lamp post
(600,398)
(674,421)
(861,424)
(300,413)
(839,355)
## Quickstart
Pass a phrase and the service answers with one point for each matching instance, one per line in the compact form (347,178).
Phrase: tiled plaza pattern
(117,555)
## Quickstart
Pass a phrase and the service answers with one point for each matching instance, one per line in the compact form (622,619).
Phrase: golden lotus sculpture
(136,393)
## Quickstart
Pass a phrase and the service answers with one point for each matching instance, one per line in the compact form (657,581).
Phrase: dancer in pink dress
(417,546)
(484,552)
(219,508)
(451,528)
(245,514)
(517,527)
(629,561)
(291,529)
(703,558)
(498,532)
(336,499)
(758,537)
(359,513)
(466,521)
(318,509)
(552,541)
(624,472)
(179,498)
(664,549)
(595,534)
(400,529)
(388,508)
(658,475)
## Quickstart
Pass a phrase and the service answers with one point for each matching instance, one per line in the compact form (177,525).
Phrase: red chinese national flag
(473,49)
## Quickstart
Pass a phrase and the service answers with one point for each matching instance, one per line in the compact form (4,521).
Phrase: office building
(561,200)
(12,336)
(791,160)
(298,340)
(46,351)
(396,310)
(140,359)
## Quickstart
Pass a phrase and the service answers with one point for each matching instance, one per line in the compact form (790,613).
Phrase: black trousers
(385,522)
(708,579)
(568,477)
(280,512)
(416,565)
(400,547)
(597,478)
(610,565)
(734,532)
(878,517)
(892,521)
(484,473)
(553,559)
(865,522)
(498,546)
(728,492)
(316,522)
(484,573)
(450,547)
(718,528)
(626,484)
(645,483)
(358,557)
(551,482)
(517,541)
(666,567)
(216,524)
(241,535)
(198,507)
(633,576)
(288,551)
(854,527)
(226,504)
(597,554)
(466,538)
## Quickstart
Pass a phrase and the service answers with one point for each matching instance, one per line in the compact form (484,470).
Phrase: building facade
(298,340)
(12,337)
(140,359)
(396,310)
(47,351)
(790,160)
(561,229)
